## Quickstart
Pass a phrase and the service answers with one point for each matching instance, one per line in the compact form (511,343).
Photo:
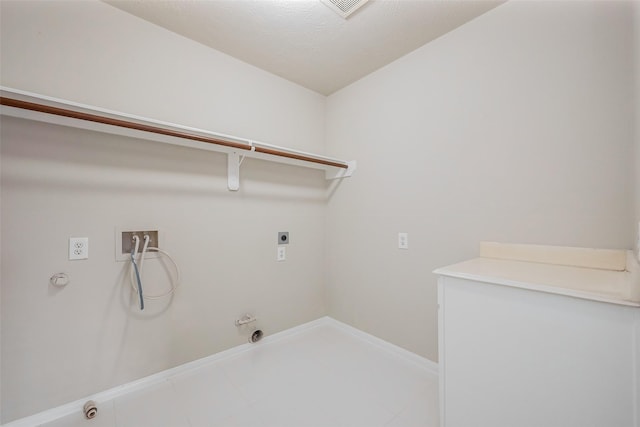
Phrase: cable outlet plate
(125,243)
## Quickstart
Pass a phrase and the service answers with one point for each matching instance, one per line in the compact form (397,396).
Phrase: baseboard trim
(110,394)
(409,356)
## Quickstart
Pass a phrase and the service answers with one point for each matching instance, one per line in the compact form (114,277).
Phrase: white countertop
(616,287)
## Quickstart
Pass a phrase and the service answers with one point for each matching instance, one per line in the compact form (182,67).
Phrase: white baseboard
(414,358)
(110,394)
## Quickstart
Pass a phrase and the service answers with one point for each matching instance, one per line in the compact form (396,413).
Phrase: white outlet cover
(78,248)
(403,240)
(282,253)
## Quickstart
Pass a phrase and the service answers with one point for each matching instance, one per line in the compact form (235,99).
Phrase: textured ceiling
(303,40)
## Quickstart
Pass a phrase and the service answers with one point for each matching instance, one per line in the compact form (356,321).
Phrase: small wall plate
(283,238)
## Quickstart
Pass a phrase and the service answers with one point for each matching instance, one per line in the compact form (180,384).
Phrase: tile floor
(320,377)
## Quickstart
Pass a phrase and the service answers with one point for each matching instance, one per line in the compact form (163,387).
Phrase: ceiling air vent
(344,8)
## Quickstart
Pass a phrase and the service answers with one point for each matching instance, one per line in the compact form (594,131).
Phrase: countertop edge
(448,272)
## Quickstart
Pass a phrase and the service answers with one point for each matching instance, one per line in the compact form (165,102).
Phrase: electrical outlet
(282,253)
(403,240)
(78,248)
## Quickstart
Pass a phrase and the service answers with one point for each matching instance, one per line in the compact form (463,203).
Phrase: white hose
(137,245)
(174,283)
(144,250)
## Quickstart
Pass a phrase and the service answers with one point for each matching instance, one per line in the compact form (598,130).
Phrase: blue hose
(135,266)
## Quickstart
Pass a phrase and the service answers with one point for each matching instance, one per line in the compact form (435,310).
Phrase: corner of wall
(1,334)
(636,118)
(182,190)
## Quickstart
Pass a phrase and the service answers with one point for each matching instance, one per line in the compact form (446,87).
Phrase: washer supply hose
(135,268)
(136,283)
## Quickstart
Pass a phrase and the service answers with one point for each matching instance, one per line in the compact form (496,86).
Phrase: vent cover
(344,8)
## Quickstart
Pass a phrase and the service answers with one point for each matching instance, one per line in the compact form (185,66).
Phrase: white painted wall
(59,345)
(515,127)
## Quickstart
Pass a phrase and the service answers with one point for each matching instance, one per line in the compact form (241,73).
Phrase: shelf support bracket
(338,173)
(233,171)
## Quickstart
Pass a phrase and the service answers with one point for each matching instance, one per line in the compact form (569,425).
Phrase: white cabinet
(517,357)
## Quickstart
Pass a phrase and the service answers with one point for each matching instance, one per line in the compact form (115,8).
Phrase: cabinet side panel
(518,357)
(441,347)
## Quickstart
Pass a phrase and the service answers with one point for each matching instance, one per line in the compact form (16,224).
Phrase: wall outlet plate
(281,254)
(403,240)
(78,248)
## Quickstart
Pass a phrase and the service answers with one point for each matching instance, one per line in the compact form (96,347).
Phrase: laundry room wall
(515,127)
(59,345)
